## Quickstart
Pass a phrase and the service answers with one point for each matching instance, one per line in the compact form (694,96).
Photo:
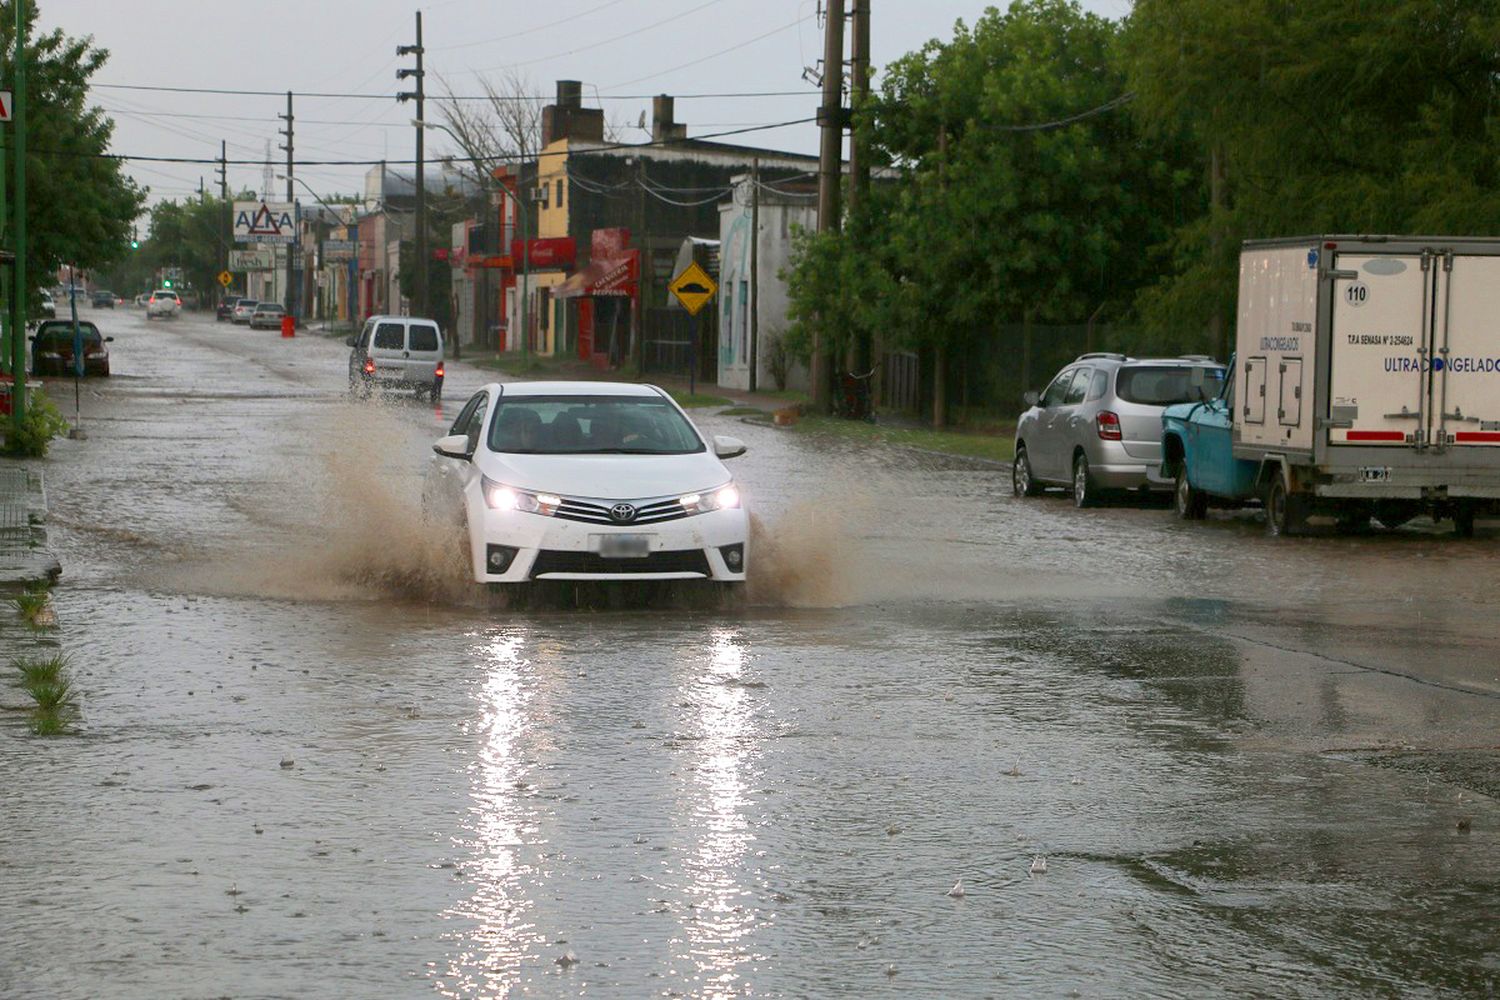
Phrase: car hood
(607,477)
(1179,411)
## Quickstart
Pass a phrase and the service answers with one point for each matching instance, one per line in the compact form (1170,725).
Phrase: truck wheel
(1463,521)
(1085,493)
(1286,512)
(1191,503)
(1022,482)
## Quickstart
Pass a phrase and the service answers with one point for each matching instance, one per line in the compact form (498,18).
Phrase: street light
(319,199)
(525,229)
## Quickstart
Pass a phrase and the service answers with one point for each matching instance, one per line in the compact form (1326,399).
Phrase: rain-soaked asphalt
(306,764)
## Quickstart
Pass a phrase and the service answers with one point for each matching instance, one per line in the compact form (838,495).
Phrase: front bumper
(699,547)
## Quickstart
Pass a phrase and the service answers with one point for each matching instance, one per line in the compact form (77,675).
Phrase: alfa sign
(251,260)
(265,222)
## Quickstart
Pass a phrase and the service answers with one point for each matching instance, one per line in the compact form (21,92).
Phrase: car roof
(65,326)
(581,388)
(392,318)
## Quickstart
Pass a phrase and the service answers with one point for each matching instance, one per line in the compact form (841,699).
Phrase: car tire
(1190,503)
(1463,521)
(1085,492)
(1286,512)
(1022,482)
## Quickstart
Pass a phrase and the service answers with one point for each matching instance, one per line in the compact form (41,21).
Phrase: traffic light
(167,283)
(135,244)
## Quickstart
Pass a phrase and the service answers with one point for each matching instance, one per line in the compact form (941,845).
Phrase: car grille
(679,561)
(646,511)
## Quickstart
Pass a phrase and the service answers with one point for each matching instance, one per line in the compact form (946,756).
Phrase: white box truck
(1366,383)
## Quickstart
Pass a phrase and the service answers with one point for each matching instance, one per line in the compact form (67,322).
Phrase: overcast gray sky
(618,48)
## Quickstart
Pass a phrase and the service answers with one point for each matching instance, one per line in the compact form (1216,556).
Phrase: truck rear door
(1380,379)
(1466,411)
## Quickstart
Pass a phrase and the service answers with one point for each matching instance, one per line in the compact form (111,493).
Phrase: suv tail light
(1109,425)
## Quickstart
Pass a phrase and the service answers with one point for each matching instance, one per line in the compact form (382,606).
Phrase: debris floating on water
(957,892)
(1038,865)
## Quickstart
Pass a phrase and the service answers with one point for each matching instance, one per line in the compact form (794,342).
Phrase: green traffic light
(135,244)
(167,283)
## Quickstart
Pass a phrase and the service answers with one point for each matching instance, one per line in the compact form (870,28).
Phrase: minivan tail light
(369,366)
(1109,425)
(439,372)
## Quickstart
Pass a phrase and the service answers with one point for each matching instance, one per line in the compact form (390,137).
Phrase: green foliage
(30,604)
(79,204)
(46,680)
(1366,116)
(39,426)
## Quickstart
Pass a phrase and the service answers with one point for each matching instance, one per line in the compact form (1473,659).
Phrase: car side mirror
(728,447)
(109,340)
(1032,398)
(454,446)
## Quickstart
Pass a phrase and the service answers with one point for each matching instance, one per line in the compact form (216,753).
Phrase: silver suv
(1097,427)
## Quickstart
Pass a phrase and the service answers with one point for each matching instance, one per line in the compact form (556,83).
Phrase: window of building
(559,194)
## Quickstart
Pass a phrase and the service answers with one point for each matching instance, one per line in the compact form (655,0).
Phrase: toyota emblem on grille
(623,512)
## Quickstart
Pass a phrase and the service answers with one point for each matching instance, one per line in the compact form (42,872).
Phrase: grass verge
(995,447)
(698,400)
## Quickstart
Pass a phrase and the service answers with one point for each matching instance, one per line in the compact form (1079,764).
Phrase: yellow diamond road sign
(225,278)
(693,288)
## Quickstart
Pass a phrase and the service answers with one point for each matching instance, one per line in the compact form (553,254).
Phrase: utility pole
(226,233)
(419,278)
(755,269)
(830,158)
(291,197)
(864,353)
(18,295)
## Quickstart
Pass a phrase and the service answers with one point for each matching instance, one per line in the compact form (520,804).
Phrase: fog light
(498,558)
(734,557)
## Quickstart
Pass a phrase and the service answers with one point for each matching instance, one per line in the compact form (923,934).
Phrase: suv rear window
(1161,385)
(390,337)
(423,338)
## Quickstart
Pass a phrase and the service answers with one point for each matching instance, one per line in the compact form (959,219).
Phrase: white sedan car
(589,481)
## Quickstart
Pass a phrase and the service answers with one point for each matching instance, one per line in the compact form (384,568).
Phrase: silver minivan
(1097,427)
(397,352)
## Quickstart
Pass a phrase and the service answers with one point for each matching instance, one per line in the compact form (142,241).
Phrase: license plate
(624,546)
(1375,474)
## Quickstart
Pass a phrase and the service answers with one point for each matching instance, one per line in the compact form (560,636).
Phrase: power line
(395,163)
(525,31)
(732,95)
(715,55)
(607,41)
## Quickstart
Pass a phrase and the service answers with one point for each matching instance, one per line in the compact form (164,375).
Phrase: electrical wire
(607,41)
(524,31)
(389,162)
(715,55)
(455,97)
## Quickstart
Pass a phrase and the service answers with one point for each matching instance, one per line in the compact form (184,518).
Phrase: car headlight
(498,496)
(724,498)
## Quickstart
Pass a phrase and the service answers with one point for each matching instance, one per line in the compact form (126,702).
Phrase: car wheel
(1085,493)
(1190,503)
(1286,512)
(1022,482)
(1463,521)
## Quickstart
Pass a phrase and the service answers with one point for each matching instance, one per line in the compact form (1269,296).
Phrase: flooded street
(310,761)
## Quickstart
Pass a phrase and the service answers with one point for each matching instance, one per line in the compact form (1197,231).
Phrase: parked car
(397,352)
(267,316)
(589,481)
(1097,426)
(142,299)
(52,349)
(243,310)
(189,298)
(163,304)
(1362,387)
(102,299)
(226,308)
(46,307)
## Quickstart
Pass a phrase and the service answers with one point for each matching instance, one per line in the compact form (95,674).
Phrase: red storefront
(606,289)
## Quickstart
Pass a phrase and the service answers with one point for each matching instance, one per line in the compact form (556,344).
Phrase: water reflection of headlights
(498,496)
(724,498)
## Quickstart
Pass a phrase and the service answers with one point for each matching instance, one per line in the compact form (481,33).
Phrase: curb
(25,556)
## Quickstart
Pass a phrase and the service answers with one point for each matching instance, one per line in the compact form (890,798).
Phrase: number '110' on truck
(1365,383)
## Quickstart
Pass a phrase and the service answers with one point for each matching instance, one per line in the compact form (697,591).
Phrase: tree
(79,203)
(505,126)
(1360,116)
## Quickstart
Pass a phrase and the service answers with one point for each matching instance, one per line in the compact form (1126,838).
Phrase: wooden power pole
(830,162)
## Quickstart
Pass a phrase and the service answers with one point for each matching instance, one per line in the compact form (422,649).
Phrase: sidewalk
(24,555)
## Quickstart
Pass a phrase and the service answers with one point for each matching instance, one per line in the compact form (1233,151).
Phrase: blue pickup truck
(1198,455)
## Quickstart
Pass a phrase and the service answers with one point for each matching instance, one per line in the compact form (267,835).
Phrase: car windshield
(269,309)
(62,333)
(591,425)
(1162,385)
